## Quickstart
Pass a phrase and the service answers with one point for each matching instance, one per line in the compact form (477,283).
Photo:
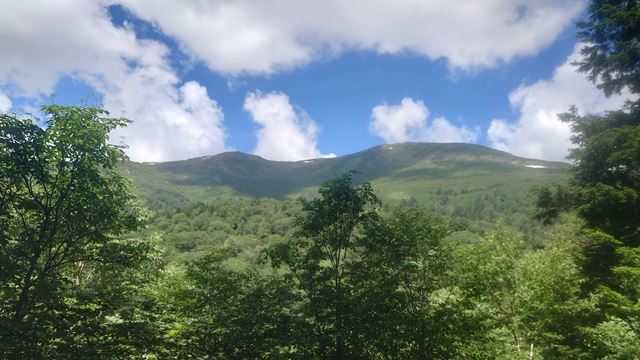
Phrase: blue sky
(293,79)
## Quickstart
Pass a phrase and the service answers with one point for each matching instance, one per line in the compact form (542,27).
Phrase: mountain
(459,178)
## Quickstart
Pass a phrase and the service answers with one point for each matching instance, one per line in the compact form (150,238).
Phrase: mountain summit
(422,172)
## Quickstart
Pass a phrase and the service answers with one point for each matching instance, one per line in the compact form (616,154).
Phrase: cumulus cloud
(5,103)
(261,37)
(173,123)
(538,133)
(407,121)
(286,134)
(51,40)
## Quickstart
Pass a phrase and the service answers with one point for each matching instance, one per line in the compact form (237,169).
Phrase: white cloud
(5,103)
(261,37)
(538,133)
(50,40)
(408,122)
(285,134)
(173,123)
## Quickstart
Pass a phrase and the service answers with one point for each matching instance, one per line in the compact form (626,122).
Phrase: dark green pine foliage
(604,187)
(606,175)
(611,56)
(606,190)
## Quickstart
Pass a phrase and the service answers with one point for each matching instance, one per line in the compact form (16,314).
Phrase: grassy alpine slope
(460,180)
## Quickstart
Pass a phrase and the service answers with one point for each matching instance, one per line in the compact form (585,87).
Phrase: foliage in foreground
(604,188)
(68,272)
(332,277)
(354,283)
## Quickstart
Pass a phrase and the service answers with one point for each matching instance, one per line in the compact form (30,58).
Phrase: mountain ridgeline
(462,180)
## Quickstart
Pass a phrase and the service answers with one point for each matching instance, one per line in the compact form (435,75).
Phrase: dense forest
(90,270)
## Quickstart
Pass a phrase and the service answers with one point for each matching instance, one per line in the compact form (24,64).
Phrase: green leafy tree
(112,312)
(614,339)
(221,312)
(63,209)
(525,301)
(321,255)
(405,304)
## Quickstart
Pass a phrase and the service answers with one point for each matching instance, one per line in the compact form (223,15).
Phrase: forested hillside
(402,170)
(243,199)
(477,185)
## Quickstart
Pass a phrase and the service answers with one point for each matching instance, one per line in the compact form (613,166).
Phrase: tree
(224,312)
(604,188)
(405,306)
(320,257)
(605,182)
(611,56)
(63,208)
(525,301)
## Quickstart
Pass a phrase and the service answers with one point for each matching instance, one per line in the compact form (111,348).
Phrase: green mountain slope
(464,180)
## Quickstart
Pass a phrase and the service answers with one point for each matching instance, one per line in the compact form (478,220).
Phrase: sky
(298,79)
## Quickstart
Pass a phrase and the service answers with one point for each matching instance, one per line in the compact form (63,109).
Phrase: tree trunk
(339,354)
(19,310)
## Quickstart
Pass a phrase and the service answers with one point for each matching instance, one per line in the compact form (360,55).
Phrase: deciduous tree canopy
(63,211)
